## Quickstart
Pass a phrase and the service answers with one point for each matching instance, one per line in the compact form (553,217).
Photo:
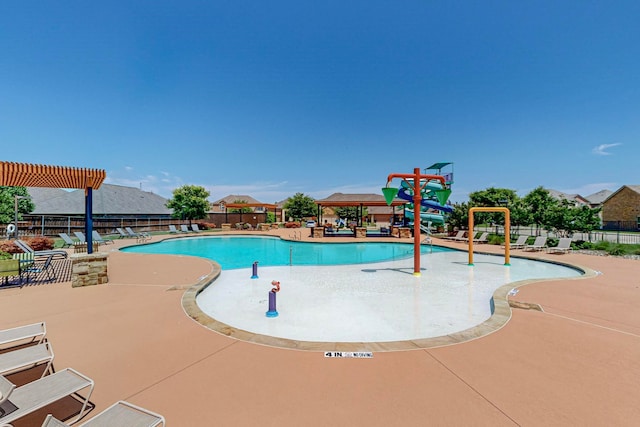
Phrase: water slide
(429,201)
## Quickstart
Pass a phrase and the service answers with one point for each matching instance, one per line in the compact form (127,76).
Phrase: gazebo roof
(30,175)
(341,199)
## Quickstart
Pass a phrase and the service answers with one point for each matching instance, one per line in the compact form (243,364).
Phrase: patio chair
(81,237)
(184,228)
(482,239)
(520,242)
(34,332)
(137,235)
(119,414)
(564,246)
(43,267)
(538,245)
(195,228)
(27,357)
(57,253)
(458,236)
(173,229)
(122,234)
(68,241)
(37,394)
(98,238)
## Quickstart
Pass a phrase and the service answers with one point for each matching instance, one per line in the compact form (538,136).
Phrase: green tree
(565,218)
(459,217)
(492,197)
(244,209)
(189,202)
(300,206)
(538,203)
(7,203)
(349,212)
(271,217)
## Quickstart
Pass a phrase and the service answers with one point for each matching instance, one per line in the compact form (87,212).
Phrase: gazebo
(31,175)
(360,201)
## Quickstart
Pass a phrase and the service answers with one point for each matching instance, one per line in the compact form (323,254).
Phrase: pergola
(358,200)
(30,175)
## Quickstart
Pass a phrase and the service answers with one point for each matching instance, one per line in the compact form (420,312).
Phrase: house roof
(572,197)
(599,197)
(368,199)
(231,198)
(109,199)
(635,188)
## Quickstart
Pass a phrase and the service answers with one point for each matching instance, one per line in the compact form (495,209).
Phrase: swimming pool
(367,302)
(242,251)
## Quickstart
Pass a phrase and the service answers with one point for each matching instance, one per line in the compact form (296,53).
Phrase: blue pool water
(240,252)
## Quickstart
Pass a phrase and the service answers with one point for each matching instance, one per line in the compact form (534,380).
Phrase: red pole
(417,198)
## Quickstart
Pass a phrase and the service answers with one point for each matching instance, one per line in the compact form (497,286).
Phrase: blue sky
(273,98)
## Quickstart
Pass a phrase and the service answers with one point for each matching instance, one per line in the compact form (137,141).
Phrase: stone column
(89,269)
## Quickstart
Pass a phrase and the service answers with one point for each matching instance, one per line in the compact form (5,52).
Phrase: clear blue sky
(270,98)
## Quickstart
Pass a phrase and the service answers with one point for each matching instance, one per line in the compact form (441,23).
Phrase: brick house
(621,210)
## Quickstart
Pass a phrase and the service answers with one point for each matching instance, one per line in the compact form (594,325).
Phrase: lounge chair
(482,239)
(27,357)
(68,241)
(57,253)
(81,237)
(173,229)
(138,235)
(538,245)
(458,236)
(43,267)
(98,238)
(564,246)
(34,332)
(42,392)
(195,228)
(184,228)
(119,414)
(520,243)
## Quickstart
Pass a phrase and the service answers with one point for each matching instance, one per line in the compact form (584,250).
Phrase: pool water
(239,252)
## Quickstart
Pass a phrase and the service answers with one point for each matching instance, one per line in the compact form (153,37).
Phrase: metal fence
(614,236)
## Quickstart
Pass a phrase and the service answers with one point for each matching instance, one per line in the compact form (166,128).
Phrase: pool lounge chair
(43,267)
(173,229)
(184,228)
(27,357)
(538,245)
(68,241)
(564,246)
(98,238)
(195,228)
(482,239)
(81,237)
(19,335)
(138,235)
(119,414)
(57,253)
(458,236)
(520,242)
(37,394)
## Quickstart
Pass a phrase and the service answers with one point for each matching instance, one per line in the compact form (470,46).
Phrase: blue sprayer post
(254,274)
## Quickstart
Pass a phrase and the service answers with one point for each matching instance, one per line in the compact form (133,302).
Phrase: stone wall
(89,269)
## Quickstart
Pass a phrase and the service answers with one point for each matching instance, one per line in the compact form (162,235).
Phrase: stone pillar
(226,227)
(361,231)
(89,269)
(317,232)
(405,232)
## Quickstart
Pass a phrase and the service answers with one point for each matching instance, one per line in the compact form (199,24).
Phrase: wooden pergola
(360,201)
(31,175)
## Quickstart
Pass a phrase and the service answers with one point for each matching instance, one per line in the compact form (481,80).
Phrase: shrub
(40,243)
(5,255)
(292,224)
(582,244)
(9,247)
(206,225)
(616,250)
(602,246)
(494,239)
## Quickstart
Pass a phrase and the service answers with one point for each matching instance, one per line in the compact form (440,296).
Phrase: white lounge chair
(482,239)
(520,242)
(173,229)
(98,238)
(119,414)
(458,236)
(184,228)
(81,237)
(140,235)
(42,392)
(538,245)
(34,332)
(195,228)
(68,241)
(564,246)
(27,357)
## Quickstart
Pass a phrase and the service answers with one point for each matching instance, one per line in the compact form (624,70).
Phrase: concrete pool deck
(575,363)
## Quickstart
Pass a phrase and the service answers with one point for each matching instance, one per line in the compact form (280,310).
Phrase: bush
(9,247)
(616,250)
(582,244)
(495,239)
(206,225)
(40,243)
(292,224)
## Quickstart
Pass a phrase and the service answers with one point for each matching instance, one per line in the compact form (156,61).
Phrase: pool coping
(502,310)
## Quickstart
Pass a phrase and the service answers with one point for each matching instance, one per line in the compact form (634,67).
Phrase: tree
(459,217)
(189,202)
(538,203)
(7,203)
(350,213)
(492,197)
(565,218)
(244,209)
(300,206)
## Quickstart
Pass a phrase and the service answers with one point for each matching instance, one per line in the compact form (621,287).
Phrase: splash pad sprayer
(416,182)
(254,274)
(273,312)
